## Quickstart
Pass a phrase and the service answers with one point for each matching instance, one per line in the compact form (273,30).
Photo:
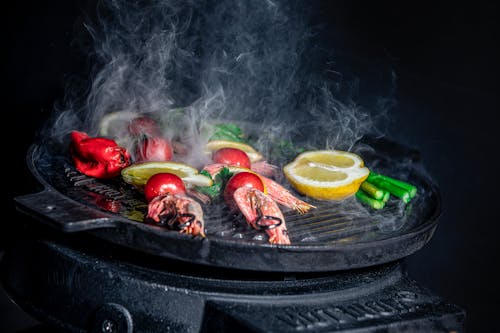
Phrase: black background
(446,60)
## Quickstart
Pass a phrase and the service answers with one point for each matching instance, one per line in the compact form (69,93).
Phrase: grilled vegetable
(219,181)
(411,189)
(232,156)
(393,189)
(227,131)
(368,200)
(154,149)
(372,190)
(97,157)
(163,183)
(377,188)
(138,174)
(215,145)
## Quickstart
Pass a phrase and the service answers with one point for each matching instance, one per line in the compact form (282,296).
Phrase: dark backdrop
(446,60)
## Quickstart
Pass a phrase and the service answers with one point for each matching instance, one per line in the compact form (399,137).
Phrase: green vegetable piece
(372,190)
(231,128)
(386,197)
(206,174)
(393,189)
(227,131)
(213,191)
(363,197)
(222,135)
(411,189)
(223,176)
(219,183)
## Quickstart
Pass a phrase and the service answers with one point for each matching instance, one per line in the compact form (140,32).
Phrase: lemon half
(326,174)
(138,174)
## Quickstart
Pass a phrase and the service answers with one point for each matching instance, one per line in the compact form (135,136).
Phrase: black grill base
(81,291)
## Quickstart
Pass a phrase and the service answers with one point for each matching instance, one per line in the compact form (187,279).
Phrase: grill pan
(334,236)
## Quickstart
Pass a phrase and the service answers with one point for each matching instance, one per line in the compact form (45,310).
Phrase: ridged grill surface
(328,223)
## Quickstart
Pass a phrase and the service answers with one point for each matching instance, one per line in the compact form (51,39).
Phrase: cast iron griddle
(334,236)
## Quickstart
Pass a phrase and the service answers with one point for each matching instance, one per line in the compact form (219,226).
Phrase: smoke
(256,63)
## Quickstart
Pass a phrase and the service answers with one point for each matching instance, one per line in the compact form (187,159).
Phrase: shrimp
(264,168)
(284,197)
(179,212)
(262,213)
(276,191)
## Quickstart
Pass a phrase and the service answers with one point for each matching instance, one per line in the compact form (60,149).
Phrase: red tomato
(239,180)
(144,126)
(154,149)
(232,156)
(162,183)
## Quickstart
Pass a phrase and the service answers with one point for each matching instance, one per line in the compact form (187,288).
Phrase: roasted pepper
(96,156)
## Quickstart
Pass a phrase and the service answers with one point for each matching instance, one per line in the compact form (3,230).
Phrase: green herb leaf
(223,176)
(206,174)
(227,131)
(231,128)
(222,135)
(219,183)
(213,191)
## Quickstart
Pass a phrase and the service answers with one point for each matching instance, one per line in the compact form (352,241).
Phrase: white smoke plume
(246,61)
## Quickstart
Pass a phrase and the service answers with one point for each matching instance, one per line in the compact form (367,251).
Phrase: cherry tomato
(144,126)
(232,156)
(239,180)
(163,183)
(153,149)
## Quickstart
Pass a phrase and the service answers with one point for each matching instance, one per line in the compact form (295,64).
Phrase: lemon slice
(138,174)
(115,124)
(326,174)
(215,145)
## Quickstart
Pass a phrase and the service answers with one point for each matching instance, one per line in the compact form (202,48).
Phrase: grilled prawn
(276,191)
(284,197)
(262,213)
(178,212)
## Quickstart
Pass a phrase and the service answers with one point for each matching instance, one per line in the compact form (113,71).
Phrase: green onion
(386,197)
(393,189)
(366,199)
(372,190)
(411,189)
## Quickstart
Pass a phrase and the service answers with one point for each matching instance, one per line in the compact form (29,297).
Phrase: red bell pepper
(97,157)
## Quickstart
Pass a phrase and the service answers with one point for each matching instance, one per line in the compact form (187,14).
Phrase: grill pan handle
(61,212)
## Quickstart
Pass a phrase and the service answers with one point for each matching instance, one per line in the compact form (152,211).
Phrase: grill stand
(80,291)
